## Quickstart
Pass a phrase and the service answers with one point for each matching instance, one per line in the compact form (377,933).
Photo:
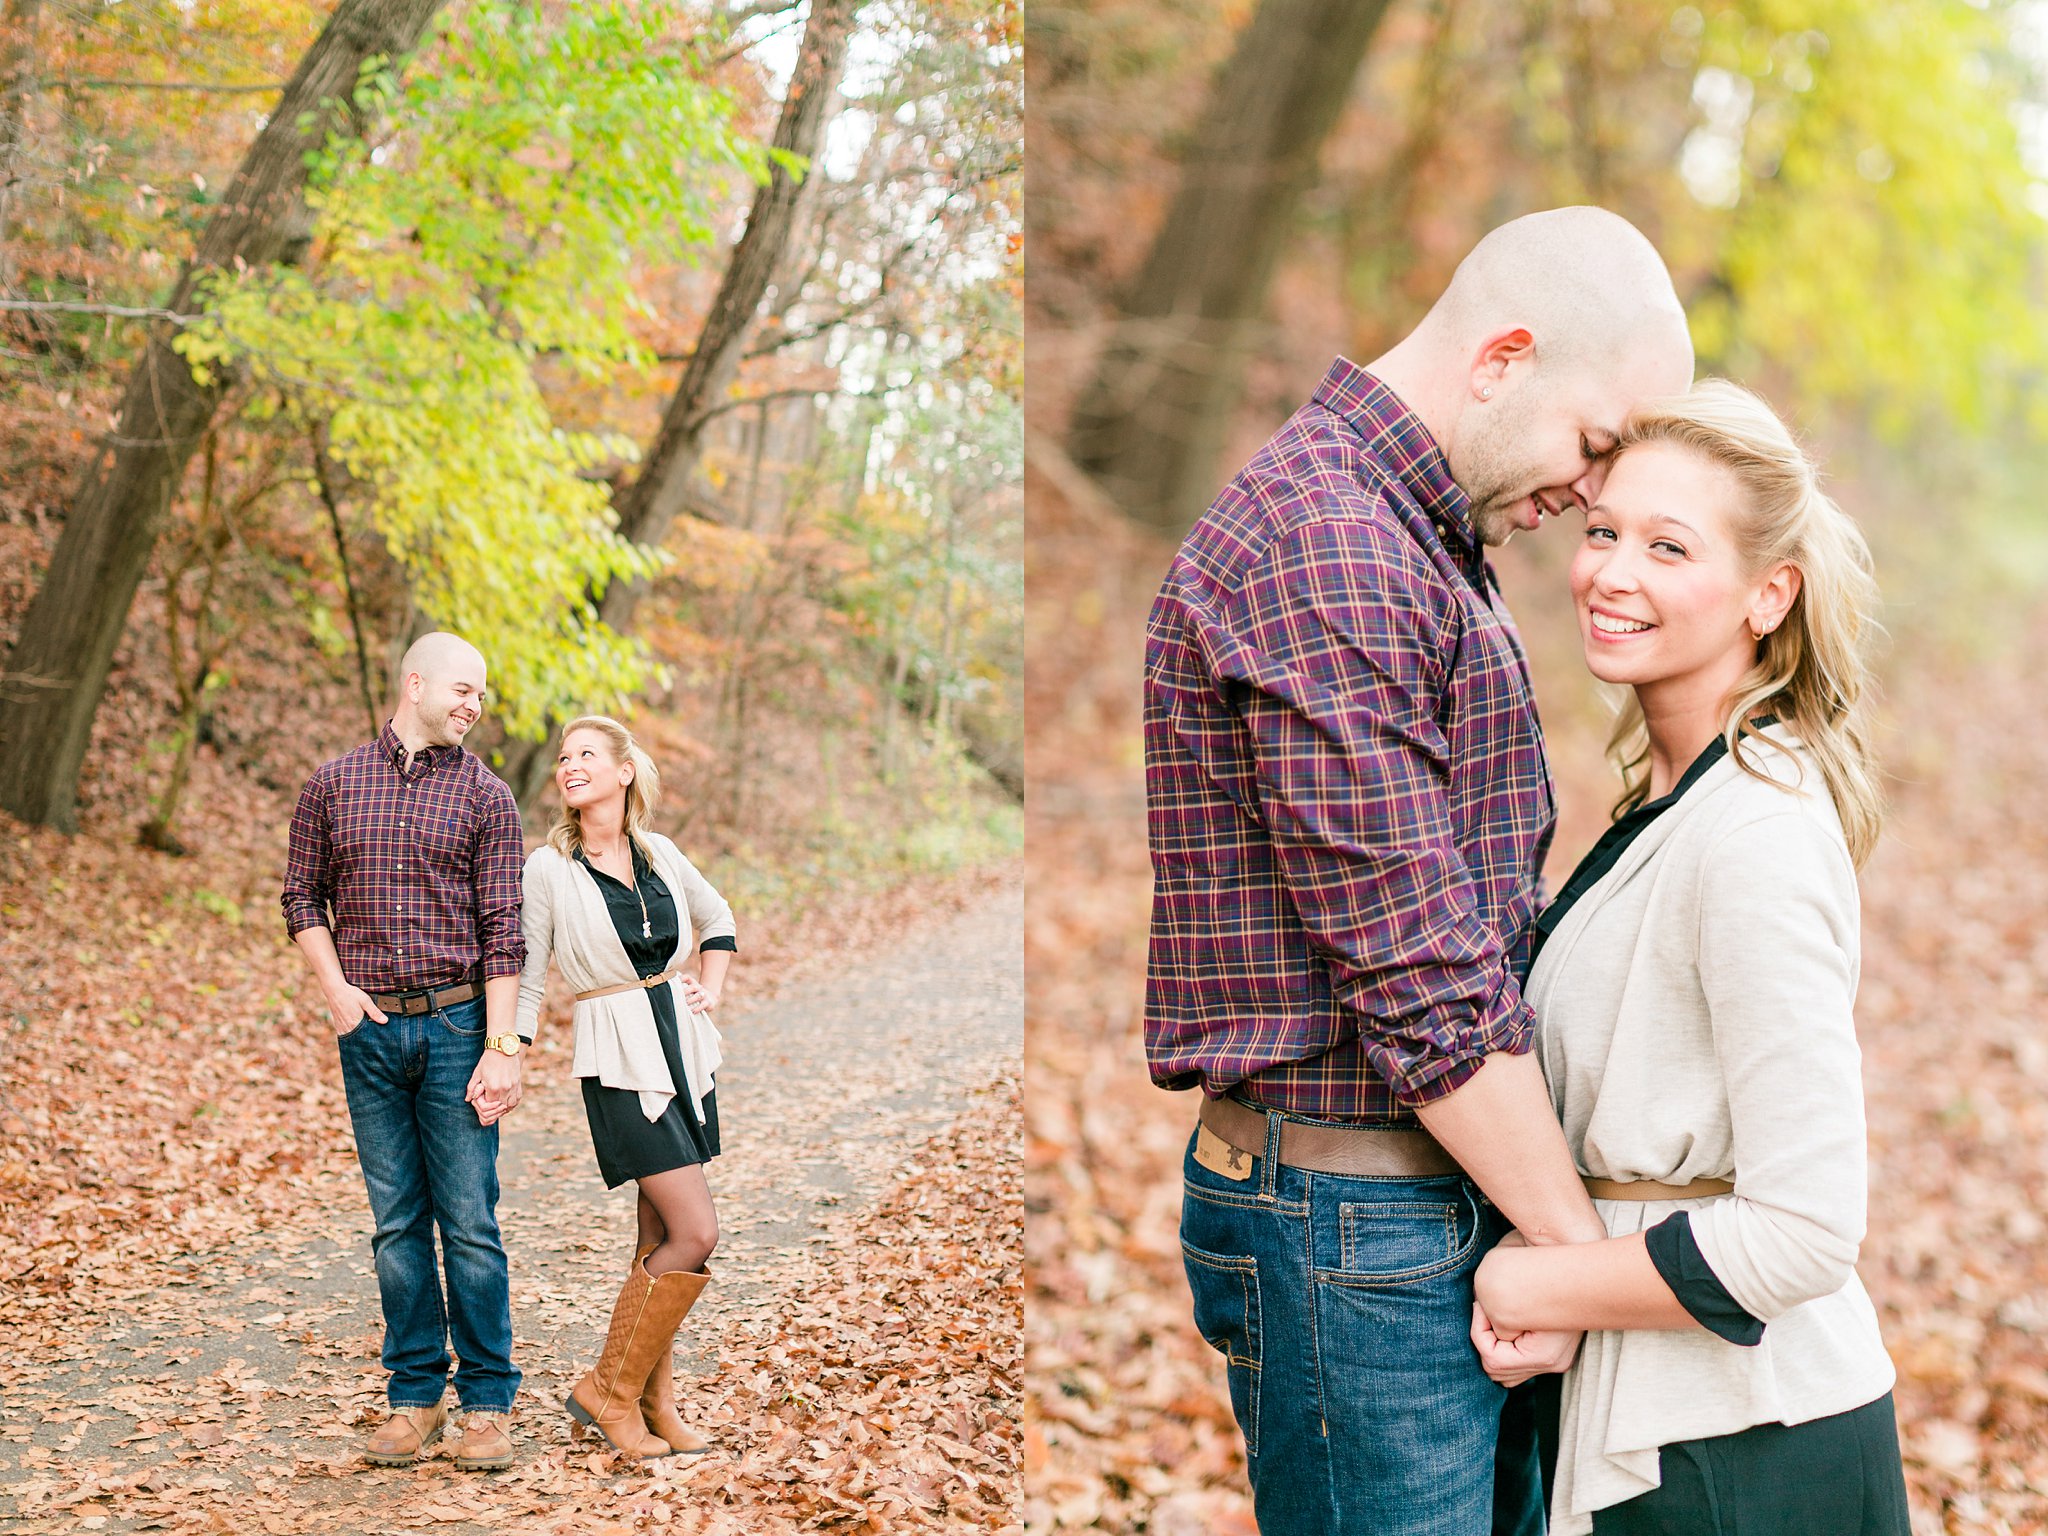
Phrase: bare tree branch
(165,85)
(119,311)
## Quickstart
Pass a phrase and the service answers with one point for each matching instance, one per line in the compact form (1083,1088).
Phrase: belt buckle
(415,1003)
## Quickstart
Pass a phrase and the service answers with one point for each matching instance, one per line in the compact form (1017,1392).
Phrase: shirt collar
(394,751)
(1395,435)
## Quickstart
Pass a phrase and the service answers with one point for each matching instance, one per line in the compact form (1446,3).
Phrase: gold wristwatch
(508,1045)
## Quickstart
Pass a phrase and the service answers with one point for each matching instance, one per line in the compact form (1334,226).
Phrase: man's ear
(1496,354)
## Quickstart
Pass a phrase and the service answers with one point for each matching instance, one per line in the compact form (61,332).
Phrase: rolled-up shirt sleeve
(1338,663)
(500,859)
(309,860)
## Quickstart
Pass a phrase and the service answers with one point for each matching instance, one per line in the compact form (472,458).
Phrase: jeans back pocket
(1226,1292)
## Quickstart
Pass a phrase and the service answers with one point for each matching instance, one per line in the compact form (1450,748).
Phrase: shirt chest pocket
(439,834)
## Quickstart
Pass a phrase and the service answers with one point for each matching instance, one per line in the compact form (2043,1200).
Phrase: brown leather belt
(631,986)
(425,1001)
(1358,1150)
(1650,1189)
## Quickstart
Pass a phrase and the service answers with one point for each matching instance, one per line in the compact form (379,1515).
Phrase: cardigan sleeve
(1778,964)
(537,928)
(710,916)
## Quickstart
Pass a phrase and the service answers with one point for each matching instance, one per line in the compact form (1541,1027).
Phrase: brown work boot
(486,1444)
(607,1399)
(398,1441)
(658,1398)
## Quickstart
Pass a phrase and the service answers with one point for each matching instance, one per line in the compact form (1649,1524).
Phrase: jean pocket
(1401,1241)
(1226,1292)
(465,1019)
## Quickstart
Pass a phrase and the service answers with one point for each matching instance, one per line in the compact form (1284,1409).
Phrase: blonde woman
(620,909)
(1693,986)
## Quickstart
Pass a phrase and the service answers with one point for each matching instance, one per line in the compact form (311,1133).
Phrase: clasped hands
(1512,1356)
(494,1087)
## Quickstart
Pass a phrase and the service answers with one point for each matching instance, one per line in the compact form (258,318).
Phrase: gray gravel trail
(254,1370)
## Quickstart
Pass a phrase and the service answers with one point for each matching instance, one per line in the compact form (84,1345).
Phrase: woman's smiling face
(586,772)
(1658,581)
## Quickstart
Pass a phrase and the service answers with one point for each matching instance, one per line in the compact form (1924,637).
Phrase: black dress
(628,1144)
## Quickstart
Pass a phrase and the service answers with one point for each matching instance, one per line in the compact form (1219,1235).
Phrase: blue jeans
(428,1163)
(1343,1307)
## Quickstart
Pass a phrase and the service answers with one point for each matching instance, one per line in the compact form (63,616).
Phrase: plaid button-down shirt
(1347,792)
(420,866)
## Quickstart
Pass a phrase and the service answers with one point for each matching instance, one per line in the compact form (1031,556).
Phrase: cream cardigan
(1694,1021)
(563,915)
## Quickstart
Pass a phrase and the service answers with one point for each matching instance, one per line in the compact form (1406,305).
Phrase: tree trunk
(649,504)
(1149,424)
(651,501)
(58,670)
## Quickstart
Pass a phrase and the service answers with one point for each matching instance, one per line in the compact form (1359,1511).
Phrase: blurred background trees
(671,351)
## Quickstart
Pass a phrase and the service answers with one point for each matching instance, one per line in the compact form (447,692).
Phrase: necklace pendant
(647,929)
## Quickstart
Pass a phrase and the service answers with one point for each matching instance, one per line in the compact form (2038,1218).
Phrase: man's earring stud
(1486,393)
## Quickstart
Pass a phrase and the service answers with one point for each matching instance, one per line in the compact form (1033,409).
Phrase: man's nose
(1586,489)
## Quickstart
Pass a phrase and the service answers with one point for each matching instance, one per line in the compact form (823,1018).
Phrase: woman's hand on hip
(697,997)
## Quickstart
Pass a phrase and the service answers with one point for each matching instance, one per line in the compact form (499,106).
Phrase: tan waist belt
(631,986)
(1358,1150)
(1649,1189)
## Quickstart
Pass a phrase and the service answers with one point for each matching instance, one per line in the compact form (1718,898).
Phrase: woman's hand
(1511,1355)
(697,997)
(1517,1358)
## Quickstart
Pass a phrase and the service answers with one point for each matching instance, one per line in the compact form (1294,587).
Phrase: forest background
(1851,197)
(670,352)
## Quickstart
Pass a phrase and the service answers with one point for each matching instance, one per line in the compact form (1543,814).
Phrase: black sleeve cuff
(1676,1253)
(723,941)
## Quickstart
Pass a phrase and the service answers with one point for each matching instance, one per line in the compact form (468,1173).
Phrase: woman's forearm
(1608,1284)
(711,968)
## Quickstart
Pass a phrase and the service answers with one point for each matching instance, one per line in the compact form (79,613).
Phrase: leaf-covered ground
(186,1305)
(1127,1425)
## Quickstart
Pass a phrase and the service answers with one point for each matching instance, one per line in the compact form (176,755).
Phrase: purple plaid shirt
(1347,792)
(420,866)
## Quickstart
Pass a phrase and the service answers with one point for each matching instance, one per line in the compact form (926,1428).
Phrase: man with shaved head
(402,889)
(1349,805)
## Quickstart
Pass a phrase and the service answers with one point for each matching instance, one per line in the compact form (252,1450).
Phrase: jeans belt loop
(1269,1167)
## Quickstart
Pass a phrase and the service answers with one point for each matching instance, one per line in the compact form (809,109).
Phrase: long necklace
(646,922)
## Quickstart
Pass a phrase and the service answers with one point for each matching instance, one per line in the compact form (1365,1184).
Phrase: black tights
(677,1219)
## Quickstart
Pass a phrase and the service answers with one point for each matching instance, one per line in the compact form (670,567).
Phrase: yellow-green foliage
(1881,250)
(533,166)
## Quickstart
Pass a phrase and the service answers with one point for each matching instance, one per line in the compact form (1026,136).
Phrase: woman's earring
(1486,393)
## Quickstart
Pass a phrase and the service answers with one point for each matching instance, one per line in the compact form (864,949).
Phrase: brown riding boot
(658,1399)
(398,1441)
(607,1399)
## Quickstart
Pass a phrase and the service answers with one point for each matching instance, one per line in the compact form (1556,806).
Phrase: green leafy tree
(494,239)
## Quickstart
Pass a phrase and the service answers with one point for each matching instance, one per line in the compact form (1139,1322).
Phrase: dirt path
(229,1391)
